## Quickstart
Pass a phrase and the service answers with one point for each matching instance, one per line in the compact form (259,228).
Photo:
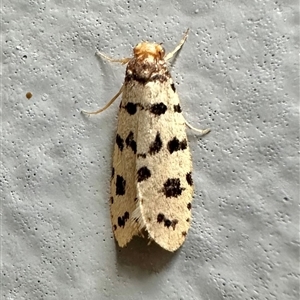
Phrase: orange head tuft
(145,50)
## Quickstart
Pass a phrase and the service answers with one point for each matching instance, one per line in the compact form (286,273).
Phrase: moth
(151,180)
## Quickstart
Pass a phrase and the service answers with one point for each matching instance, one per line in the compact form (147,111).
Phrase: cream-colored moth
(151,181)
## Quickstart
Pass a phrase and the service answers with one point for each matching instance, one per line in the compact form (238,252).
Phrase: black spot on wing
(173,224)
(167,223)
(175,145)
(189,206)
(120,142)
(141,155)
(172,188)
(120,185)
(183,233)
(130,142)
(111,200)
(122,220)
(158,109)
(156,145)
(173,87)
(160,217)
(131,108)
(115,227)
(112,173)
(143,173)
(189,178)
(177,108)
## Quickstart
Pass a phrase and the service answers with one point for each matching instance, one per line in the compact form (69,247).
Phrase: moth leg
(171,54)
(106,106)
(123,61)
(201,131)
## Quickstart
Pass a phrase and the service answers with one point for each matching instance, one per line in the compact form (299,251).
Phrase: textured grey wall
(237,74)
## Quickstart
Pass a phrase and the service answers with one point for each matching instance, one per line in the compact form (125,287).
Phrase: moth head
(145,50)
